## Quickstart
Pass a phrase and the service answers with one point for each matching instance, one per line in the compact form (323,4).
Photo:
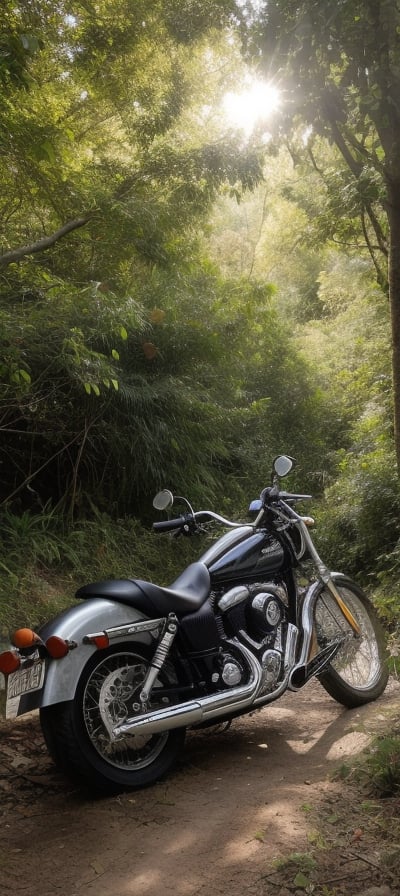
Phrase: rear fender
(90,617)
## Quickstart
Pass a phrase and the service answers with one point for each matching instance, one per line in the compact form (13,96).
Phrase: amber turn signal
(101,641)
(9,662)
(25,637)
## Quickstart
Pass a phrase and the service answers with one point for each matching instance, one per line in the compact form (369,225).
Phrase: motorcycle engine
(256,616)
(265,612)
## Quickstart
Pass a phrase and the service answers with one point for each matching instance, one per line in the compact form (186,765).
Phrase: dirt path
(213,828)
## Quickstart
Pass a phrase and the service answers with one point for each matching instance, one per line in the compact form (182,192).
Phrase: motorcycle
(120,677)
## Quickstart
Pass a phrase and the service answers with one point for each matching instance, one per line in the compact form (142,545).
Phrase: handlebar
(191,522)
(169,525)
(272,493)
(188,522)
(287,496)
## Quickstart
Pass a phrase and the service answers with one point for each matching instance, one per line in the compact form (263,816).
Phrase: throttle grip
(169,525)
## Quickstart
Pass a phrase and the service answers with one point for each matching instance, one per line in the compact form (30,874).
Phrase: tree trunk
(394,295)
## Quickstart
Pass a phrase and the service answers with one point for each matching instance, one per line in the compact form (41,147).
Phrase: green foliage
(299,865)
(359,521)
(379,768)
(18,43)
(112,336)
(340,66)
(36,538)
(135,387)
(43,560)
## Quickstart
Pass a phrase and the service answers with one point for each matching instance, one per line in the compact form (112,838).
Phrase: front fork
(342,606)
(326,577)
(310,648)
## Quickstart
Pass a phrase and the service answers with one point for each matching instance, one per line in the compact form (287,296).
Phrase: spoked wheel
(358,673)
(77,733)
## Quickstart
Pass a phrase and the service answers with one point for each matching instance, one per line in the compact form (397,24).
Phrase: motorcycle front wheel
(358,673)
(76,732)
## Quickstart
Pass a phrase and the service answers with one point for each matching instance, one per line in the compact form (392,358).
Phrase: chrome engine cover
(257,616)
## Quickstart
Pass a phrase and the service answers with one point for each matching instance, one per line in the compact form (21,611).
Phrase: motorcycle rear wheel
(358,673)
(76,734)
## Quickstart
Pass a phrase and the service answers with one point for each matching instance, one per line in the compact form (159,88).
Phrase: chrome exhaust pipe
(303,670)
(302,673)
(195,711)
(298,677)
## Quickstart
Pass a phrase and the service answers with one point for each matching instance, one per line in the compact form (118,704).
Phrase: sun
(254,104)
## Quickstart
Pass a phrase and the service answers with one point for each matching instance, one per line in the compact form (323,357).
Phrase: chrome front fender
(62,675)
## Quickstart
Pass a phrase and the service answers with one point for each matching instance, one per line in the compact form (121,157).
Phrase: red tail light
(57,647)
(9,662)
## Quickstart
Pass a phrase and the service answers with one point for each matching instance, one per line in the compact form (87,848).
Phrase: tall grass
(43,561)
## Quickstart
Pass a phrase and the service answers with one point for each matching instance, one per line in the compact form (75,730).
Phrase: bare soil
(250,811)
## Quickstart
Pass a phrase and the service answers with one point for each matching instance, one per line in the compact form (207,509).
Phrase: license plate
(23,681)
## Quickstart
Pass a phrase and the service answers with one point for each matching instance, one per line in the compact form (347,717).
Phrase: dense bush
(43,561)
(359,522)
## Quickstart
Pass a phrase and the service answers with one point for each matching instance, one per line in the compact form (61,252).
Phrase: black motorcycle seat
(186,594)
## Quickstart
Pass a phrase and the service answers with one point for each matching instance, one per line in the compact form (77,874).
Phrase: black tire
(358,673)
(77,738)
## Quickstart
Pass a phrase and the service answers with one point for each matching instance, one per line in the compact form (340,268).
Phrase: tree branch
(356,168)
(45,243)
(380,275)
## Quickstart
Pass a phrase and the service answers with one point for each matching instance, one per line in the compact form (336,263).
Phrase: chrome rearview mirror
(283,465)
(163,499)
